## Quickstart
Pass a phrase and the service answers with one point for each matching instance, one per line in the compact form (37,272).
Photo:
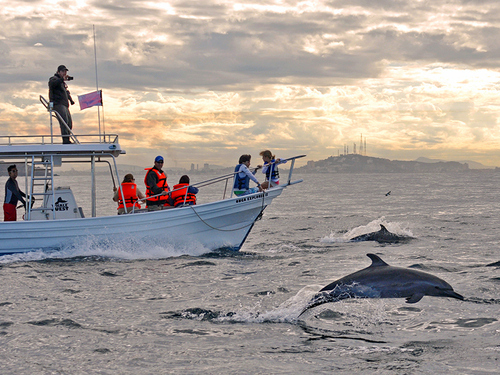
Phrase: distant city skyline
(204,82)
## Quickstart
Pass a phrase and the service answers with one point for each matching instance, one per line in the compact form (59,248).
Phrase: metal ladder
(46,182)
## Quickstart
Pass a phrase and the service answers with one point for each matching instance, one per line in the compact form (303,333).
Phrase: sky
(206,81)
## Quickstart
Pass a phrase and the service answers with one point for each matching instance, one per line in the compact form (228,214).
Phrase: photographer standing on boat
(59,95)
(12,195)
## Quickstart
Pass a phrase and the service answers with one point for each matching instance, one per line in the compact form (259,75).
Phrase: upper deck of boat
(38,145)
(81,145)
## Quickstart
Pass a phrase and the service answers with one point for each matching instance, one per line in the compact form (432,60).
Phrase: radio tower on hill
(362,146)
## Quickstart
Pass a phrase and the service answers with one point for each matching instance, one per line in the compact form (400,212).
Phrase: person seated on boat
(12,195)
(156,184)
(131,193)
(242,177)
(60,97)
(270,169)
(186,195)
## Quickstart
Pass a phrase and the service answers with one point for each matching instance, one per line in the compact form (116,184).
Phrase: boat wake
(123,249)
(287,312)
(395,228)
(346,324)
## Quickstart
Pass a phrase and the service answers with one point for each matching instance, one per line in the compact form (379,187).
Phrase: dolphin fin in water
(376,260)
(380,280)
(382,236)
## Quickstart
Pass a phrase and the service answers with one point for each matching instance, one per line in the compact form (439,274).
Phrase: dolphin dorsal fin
(383,229)
(376,261)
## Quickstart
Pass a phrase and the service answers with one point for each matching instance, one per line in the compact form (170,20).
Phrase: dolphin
(381,280)
(381,236)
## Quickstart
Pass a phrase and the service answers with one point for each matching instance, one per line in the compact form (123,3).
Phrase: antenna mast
(97,84)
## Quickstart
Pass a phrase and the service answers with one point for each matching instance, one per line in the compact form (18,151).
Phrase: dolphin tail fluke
(319,299)
(308,307)
(303,311)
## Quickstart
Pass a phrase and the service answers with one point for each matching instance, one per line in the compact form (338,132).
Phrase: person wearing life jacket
(270,169)
(242,177)
(131,193)
(179,192)
(156,183)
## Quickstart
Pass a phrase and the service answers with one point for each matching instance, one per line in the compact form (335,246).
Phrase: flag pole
(97,83)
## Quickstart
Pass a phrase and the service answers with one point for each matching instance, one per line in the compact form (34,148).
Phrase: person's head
(128,178)
(244,158)
(184,180)
(62,70)
(159,162)
(266,155)
(12,169)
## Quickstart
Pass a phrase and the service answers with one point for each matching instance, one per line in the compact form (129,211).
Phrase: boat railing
(48,139)
(226,178)
(198,185)
(15,140)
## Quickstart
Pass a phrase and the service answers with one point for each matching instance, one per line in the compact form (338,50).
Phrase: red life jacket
(179,195)
(130,193)
(162,184)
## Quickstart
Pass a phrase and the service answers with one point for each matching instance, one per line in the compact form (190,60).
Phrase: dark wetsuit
(12,195)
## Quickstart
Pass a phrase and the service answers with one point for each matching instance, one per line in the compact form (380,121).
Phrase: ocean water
(136,308)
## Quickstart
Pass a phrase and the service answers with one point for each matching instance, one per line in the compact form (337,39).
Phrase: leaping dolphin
(381,236)
(380,280)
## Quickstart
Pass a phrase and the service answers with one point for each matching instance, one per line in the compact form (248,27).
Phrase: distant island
(350,163)
(355,163)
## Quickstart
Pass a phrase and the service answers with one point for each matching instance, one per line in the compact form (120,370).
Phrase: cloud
(212,80)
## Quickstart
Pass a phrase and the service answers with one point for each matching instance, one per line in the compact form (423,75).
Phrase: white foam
(129,249)
(373,226)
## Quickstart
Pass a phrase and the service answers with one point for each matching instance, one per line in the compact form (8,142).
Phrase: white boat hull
(221,224)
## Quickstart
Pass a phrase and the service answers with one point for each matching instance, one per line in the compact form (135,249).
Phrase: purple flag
(90,99)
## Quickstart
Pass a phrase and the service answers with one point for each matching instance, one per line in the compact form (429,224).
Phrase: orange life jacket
(130,193)
(179,195)
(162,184)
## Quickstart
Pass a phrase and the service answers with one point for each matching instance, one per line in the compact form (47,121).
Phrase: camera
(69,78)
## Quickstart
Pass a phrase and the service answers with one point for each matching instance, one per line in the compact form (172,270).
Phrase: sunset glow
(204,82)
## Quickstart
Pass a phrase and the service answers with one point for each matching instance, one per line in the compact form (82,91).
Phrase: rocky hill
(354,163)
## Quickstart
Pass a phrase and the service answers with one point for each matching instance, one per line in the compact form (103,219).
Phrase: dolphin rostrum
(380,280)
(381,236)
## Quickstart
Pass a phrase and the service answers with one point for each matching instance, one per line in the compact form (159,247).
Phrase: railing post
(32,174)
(225,189)
(93,187)
(291,171)
(51,107)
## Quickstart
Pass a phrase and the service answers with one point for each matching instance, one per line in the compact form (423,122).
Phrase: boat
(53,220)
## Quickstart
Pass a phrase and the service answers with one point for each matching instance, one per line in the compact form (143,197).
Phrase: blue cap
(158,158)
